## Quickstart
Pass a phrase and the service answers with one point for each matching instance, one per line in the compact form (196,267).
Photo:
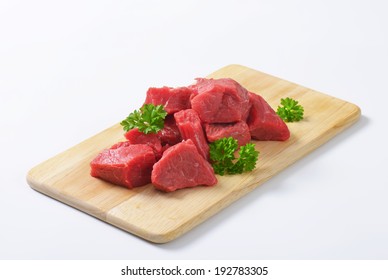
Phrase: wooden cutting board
(161,217)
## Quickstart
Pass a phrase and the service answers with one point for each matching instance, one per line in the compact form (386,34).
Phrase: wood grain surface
(161,217)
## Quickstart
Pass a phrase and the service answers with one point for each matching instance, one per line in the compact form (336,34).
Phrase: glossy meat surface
(181,166)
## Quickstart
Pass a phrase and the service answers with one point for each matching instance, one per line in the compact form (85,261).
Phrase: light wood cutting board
(161,217)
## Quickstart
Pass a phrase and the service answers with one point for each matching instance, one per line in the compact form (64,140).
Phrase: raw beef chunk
(238,130)
(220,100)
(134,136)
(180,167)
(190,127)
(172,99)
(129,166)
(264,123)
(121,144)
(169,134)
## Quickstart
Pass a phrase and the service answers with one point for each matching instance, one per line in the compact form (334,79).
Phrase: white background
(69,69)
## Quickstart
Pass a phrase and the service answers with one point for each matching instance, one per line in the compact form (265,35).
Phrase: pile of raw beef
(178,155)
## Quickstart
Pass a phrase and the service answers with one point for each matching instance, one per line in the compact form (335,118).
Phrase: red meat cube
(264,123)
(172,99)
(169,134)
(134,136)
(120,144)
(238,130)
(127,165)
(190,127)
(220,100)
(181,166)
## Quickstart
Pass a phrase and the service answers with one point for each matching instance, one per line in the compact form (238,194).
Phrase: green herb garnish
(222,155)
(291,110)
(149,119)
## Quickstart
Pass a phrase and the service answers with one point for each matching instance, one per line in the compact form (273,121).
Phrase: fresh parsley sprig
(290,110)
(222,155)
(149,119)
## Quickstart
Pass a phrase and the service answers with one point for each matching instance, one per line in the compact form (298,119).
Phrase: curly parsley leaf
(149,119)
(290,110)
(222,155)
(247,159)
